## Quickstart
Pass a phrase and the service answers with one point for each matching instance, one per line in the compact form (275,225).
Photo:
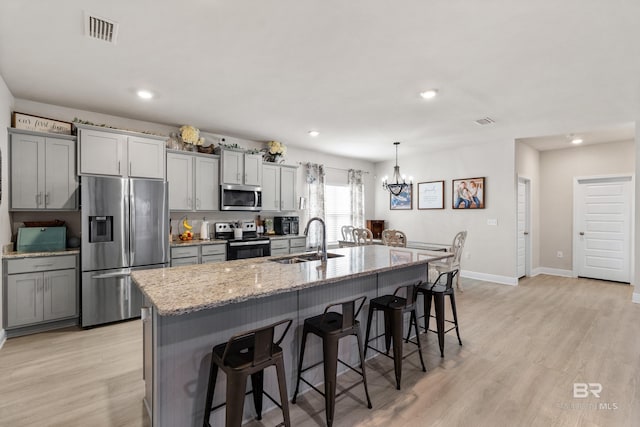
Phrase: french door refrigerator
(125,225)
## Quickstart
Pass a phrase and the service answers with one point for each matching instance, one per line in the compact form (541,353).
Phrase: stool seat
(331,326)
(392,302)
(394,307)
(241,355)
(330,323)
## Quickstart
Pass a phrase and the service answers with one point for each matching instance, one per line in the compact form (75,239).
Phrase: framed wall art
(468,193)
(402,201)
(431,195)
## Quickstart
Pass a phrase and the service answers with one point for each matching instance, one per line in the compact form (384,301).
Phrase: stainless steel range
(242,245)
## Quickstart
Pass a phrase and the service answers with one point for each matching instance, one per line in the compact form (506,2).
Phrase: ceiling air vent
(100,28)
(485,121)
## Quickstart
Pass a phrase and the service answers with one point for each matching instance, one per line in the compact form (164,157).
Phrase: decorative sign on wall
(39,124)
(431,195)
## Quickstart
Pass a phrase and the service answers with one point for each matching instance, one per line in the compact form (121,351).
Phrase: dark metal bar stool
(394,308)
(331,326)
(437,290)
(248,354)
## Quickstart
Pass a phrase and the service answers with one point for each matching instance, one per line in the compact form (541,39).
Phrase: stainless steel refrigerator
(125,225)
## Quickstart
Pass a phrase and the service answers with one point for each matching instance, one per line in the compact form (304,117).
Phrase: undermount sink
(313,256)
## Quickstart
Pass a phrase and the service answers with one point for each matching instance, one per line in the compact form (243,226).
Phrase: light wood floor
(524,347)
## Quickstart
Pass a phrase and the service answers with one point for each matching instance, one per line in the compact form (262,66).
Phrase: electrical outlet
(559,254)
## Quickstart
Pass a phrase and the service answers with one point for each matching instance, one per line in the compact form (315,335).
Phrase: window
(337,205)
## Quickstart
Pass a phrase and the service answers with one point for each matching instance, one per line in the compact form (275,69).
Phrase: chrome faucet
(324,235)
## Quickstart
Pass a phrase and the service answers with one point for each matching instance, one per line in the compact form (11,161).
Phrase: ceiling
(352,70)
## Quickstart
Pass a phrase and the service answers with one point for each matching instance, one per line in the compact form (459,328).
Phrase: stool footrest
(215,408)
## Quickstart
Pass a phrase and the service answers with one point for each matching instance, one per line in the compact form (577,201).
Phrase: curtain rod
(331,167)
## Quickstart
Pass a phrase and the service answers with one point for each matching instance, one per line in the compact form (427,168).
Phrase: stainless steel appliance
(286,225)
(240,198)
(124,228)
(249,246)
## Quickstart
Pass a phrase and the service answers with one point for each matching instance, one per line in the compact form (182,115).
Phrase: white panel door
(270,187)
(27,172)
(522,229)
(603,229)
(180,178)
(146,157)
(206,184)
(60,173)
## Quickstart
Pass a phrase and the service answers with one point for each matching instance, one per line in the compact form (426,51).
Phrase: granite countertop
(14,254)
(186,289)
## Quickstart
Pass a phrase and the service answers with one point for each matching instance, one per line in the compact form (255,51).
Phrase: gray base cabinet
(198,254)
(37,298)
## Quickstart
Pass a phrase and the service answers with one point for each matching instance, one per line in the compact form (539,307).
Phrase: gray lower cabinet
(279,247)
(198,254)
(38,299)
(297,245)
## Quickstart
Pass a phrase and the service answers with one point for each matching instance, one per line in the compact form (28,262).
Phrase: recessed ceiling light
(145,94)
(429,94)
(577,141)
(314,133)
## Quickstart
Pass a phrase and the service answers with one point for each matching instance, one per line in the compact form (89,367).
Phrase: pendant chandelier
(398,184)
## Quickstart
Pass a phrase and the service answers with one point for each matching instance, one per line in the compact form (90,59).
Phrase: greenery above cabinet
(42,171)
(193,181)
(120,153)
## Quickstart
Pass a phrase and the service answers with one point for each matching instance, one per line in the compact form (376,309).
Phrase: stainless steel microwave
(240,198)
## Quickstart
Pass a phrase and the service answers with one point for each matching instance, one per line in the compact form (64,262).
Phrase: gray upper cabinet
(43,173)
(120,153)
(278,187)
(238,167)
(193,182)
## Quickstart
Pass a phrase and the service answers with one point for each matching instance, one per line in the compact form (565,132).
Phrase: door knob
(526,233)
(582,233)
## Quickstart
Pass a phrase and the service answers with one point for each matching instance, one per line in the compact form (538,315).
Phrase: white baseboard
(636,298)
(551,272)
(502,280)
(3,337)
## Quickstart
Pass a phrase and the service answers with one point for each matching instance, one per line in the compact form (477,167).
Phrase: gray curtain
(314,178)
(356,187)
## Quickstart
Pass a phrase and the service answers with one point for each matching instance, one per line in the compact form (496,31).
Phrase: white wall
(490,251)
(6,107)
(636,276)
(557,171)
(528,166)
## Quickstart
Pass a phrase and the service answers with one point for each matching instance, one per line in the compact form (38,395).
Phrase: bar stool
(248,354)
(394,308)
(331,326)
(437,290)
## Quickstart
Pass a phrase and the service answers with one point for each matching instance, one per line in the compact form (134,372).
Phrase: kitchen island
(189,309)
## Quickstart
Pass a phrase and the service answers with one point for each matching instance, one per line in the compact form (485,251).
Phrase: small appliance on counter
(284,225)
(41,239)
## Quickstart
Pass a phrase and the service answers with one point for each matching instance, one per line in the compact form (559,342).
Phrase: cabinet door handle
(197,203)
(46,198)
(189,203)
(238,177)
(37,199)
(118,166)
(43,265)
(129,168)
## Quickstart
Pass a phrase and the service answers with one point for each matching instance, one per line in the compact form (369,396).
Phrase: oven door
(250,249)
